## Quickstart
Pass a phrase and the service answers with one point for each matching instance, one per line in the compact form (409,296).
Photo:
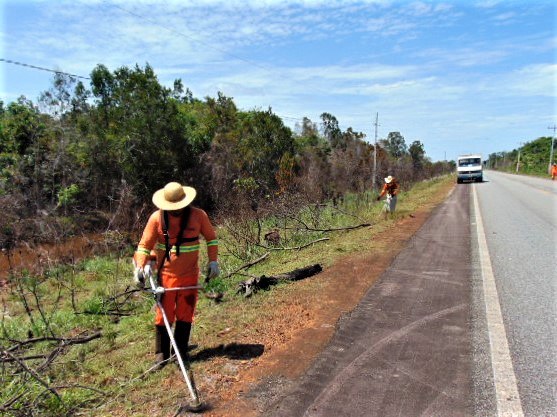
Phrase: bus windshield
(467,162)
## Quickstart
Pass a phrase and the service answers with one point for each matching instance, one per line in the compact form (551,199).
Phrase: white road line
(506,390)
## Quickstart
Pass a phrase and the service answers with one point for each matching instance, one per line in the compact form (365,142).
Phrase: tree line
(90,157)
(531,158)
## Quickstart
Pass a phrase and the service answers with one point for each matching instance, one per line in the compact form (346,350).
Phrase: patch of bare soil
(303,321)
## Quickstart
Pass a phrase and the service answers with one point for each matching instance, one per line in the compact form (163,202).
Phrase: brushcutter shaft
(162,290)
(193,287)
(189,384)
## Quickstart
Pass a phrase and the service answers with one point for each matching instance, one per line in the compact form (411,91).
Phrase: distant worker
(554,170)
(173,232)
(390,188)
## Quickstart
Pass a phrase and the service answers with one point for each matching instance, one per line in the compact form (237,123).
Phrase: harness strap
(180,239)
(164,222)
(183,224)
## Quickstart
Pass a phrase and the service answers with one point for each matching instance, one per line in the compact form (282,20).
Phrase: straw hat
(388,179)
(173,196)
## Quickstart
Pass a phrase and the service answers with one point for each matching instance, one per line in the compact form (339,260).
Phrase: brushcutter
(195,405)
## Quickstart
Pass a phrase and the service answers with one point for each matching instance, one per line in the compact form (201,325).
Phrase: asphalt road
(406,349)
(462,323)
(520,221)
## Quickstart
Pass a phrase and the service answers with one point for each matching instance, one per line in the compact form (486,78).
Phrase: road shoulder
(342,286)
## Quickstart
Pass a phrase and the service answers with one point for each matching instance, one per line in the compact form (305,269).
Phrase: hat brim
(164,204)
(388,180)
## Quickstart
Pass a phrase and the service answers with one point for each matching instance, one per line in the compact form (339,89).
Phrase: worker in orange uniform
(554,171)
(390,188)
(173,233)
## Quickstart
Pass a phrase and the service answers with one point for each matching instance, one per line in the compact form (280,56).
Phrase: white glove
(139,277)
(212,270)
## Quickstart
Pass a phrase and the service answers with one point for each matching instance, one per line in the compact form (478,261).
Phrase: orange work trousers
(178,305)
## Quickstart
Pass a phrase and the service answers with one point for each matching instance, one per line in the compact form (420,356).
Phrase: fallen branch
(334,229)
(254,284)
(6,406)
(299,247)
(62,340)
(32,373)
(108,313)
(127,292)
(248,265)
(7,356)
(24,358)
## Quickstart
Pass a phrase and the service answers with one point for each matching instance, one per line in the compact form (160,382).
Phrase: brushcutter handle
(192,287)
(155,289)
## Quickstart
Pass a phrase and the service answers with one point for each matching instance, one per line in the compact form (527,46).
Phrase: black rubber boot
(182,336)
(162,347)
(182,332)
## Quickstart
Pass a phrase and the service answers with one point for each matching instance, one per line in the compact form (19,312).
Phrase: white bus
(469,168)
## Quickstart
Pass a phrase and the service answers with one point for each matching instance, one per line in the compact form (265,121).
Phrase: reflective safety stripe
(183,249)
(214,242)
(143,250)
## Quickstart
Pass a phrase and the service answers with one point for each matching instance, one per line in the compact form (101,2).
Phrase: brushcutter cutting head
(193,407)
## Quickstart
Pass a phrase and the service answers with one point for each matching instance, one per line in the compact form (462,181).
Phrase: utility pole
(376,124)
(518,161)
(551,150)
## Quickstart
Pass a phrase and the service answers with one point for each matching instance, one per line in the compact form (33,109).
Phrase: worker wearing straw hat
(390,188)
(172,234)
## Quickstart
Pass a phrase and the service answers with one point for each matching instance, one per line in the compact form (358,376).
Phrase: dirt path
(306,320)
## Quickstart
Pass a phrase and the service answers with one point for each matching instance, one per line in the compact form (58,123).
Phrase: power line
(9,61)
(138,15)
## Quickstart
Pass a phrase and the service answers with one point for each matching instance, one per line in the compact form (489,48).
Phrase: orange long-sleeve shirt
(186,265)
(391,188)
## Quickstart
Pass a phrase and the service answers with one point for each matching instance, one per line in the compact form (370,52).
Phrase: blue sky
(459,76)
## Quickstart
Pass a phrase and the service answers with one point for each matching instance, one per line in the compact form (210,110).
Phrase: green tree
(307,134)
(25,152)
(263,141)
(331,129)
(22,123)
(395,144)
(417,153)
(145,141)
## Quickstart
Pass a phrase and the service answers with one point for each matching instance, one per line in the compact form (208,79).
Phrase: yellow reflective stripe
(183,249)
(214,242)
(144,251)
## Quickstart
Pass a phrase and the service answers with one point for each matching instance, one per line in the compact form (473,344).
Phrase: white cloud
(487,4)
(505,16)
(531,80)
